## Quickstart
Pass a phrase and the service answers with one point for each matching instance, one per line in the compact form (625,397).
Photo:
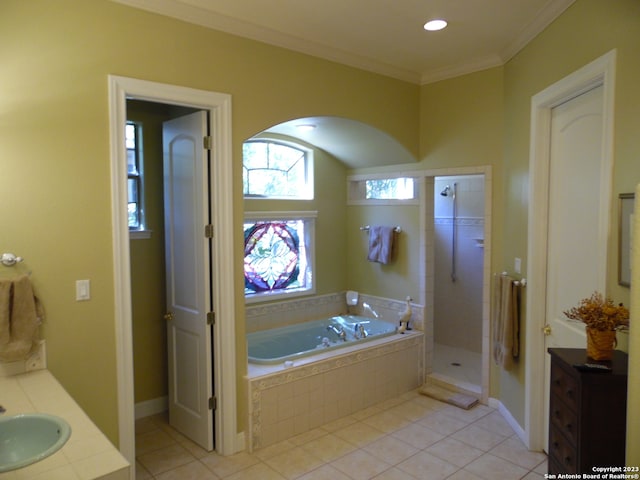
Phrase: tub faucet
(338,331)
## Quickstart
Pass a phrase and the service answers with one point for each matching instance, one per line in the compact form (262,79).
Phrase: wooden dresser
(587,412)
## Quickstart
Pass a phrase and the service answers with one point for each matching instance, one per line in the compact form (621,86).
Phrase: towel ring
(9,259)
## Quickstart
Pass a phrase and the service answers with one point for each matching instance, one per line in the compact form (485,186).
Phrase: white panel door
(188,269)
(578,222)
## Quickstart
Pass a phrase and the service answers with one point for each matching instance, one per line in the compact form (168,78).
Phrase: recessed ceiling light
(435,25)
(307,127)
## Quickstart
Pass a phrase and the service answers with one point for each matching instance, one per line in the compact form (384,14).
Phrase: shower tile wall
(458,305)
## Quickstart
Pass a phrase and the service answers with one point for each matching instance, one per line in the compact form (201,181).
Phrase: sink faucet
(338,331)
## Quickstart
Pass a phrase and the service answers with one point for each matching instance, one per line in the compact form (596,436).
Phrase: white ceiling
(383,36)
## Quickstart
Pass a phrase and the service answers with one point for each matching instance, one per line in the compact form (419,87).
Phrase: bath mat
(457,399)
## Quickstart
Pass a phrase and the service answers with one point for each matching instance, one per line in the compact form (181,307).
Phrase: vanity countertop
(87,455)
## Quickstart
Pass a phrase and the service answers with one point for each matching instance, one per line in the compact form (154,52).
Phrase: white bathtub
(286,344)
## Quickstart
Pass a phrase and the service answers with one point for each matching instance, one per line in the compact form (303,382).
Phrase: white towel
(380,244)
(505,320)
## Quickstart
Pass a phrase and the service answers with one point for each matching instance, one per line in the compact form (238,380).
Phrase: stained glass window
(276,257)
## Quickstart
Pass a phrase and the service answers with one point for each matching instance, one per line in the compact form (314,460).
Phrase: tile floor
(409,437)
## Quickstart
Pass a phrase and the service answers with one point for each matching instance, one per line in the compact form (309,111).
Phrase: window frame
(139,231)
(307,190)
(356,189)
(309,219)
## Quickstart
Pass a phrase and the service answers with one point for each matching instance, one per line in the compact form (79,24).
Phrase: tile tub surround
(87,455)
(285,402)
(279,314)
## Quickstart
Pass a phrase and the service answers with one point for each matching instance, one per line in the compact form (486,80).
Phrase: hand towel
(23,323)
(380,244)
(505,320)
(5,311)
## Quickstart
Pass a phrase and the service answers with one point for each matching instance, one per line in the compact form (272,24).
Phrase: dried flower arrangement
(600,313)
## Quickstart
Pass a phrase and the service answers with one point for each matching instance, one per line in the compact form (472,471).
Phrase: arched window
(276,170)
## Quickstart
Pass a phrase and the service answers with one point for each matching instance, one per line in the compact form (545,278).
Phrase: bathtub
(286,344)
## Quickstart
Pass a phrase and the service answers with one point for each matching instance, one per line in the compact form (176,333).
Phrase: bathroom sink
(30,437)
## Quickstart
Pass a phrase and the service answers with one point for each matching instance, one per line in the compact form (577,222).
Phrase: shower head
(445,191)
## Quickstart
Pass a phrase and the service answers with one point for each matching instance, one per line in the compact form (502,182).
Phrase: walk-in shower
(458,278)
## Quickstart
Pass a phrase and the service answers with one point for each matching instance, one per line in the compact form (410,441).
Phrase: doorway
(457,280)
(599,73)
(218,107)
(459,262)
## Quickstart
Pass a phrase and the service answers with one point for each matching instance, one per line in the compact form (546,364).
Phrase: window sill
(139,234)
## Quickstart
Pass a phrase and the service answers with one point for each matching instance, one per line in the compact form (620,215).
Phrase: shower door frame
(427,261)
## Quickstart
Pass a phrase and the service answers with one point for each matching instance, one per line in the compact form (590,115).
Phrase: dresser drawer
(563,455)
(564,386)
(563,419)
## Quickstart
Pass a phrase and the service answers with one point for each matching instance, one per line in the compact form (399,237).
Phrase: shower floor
(457,364)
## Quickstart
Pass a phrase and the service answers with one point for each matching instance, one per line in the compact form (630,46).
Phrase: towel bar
(367,227)
(522,282)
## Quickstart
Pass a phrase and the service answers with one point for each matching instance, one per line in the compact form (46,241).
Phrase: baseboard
(151,407)
(506,414)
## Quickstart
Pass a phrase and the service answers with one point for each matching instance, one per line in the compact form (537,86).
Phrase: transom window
(389,189)
(278,257)
(276,170)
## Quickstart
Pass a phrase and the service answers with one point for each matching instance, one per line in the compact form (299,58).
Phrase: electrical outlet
(83,290)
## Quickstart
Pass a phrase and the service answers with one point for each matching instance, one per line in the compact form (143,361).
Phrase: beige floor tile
(141,472)
(359,434)
(515,451)
(491,467)
(390,449)
(191,471)
(151,441)
(495,422)
(339,423)
(465,475)
(329,447)
(308,436)
(418,436)
(454,451)
(412,411)
(294,463)
(478,437)
(259,471)
(423,462)
(360,465)
(386,422)
(394,474)
(366,413)
(325,472)
(442,423)
(471,415)
(273,450)
(225,466)
(165,459)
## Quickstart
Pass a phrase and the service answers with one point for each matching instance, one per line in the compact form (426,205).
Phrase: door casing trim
(599,72)
(218,105)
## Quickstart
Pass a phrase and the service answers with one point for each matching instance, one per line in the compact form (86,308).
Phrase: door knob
(168,316)
(546,329)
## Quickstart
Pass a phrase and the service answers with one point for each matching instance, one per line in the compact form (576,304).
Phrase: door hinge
(213,403)
(207,142)
(211,318)
(208,231)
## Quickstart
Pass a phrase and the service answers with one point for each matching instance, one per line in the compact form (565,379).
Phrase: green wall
(54,146)
(55,200)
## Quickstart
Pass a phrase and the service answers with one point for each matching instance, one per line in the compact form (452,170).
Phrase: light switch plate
(83,290)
